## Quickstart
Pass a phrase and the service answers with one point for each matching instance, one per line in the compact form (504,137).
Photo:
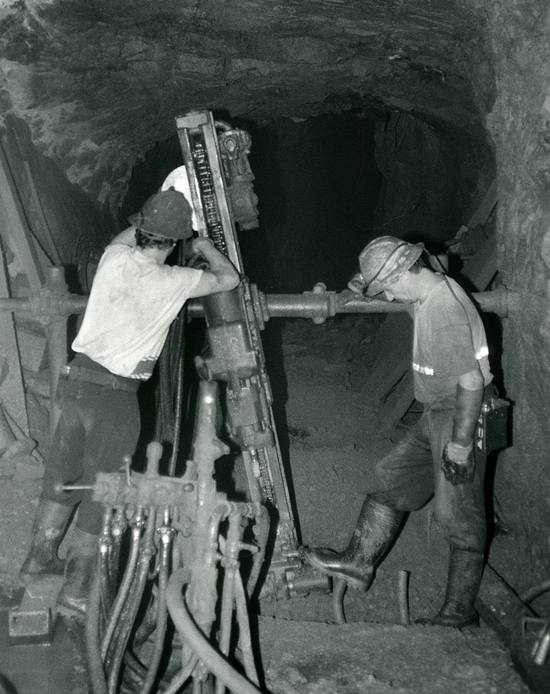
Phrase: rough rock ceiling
(100,81)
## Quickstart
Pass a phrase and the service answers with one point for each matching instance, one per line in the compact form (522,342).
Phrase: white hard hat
(179,180)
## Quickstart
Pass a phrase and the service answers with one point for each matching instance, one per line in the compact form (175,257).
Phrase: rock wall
(67,224)
(433,178)
(520,127)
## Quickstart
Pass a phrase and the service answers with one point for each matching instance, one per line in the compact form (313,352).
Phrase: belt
(99,378)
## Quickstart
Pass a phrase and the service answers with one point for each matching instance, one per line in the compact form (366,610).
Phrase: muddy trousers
(410,475)
(98,426)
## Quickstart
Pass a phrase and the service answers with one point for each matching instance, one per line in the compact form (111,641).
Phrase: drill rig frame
(186,538)
(220,182)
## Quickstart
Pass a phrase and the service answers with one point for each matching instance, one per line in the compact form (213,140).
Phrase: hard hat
(385,259)
(165,214)
(179,180)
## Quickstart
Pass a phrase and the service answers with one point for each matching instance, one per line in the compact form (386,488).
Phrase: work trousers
(97,427)
(410,475)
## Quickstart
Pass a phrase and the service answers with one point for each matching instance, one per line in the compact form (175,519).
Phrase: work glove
(458,463)
(357,284)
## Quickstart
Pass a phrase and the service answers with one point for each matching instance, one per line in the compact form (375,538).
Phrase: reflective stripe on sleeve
(428,371)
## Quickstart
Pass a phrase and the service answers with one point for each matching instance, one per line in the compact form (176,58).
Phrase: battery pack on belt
(107,380)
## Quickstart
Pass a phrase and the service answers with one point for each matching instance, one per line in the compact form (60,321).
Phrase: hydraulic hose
(168,422)
(105,543)
(177,418)
(162,613)
(105,583)
(403,596)
(261,533)
(182,676)
(231,565)
(95,662)
(134,669)
(189,631)
(338,590)
(122,632)
(245,639)
(124,586)
(118,526)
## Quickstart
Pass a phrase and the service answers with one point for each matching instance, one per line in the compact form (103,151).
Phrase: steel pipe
(321,305)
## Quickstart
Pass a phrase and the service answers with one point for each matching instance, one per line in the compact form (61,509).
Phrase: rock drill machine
(174,545)
(183,541)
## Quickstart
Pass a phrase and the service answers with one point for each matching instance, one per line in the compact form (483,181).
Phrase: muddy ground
(331,440)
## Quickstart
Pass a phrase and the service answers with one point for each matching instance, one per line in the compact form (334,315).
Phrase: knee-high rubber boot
(47,531)
(376,528)
(465,572)
(79,569)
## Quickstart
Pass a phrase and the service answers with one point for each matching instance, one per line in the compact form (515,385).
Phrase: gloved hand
(357,284)
(458,463)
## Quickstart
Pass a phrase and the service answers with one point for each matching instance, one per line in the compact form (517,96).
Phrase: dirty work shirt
(132,303)
(449,341)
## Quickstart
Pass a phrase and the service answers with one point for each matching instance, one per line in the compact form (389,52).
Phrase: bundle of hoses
(110,622)
(214,661)
(171,371)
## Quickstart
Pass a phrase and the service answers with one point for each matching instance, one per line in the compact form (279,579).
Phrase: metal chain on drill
(206,185)
(216,233)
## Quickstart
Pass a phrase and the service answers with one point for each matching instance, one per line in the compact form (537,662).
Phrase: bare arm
(469,398)
(458,461)
(222,275)
(473,380)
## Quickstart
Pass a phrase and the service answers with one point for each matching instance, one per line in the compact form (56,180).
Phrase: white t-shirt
(132,303)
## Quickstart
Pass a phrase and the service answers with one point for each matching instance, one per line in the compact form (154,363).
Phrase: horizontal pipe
(314,305)
(327,304)
(68,305)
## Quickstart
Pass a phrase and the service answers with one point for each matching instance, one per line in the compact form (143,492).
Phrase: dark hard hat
(165,214)
(385,259)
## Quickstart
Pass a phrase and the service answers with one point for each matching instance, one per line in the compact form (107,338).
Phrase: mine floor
(331,439)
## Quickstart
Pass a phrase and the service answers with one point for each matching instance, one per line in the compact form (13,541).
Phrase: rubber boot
(465,572)
(80,564)
(376,528)
(47,531)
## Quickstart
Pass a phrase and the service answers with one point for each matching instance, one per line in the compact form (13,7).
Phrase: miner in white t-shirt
(134,298)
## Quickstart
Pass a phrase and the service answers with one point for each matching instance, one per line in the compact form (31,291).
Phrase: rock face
(100,83)
(452,87)
(519,125)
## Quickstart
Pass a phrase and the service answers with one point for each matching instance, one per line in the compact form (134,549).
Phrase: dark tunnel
(310,506)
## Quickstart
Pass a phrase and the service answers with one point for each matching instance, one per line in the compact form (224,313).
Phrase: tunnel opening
(327,185)
(318,184)
(100,86)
